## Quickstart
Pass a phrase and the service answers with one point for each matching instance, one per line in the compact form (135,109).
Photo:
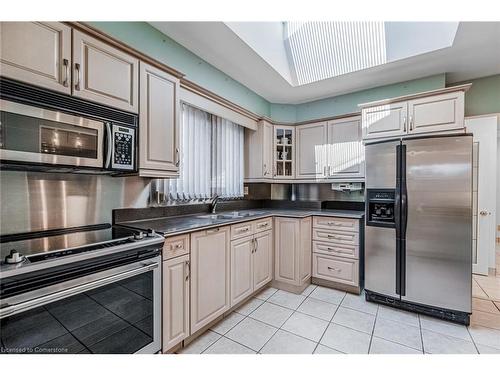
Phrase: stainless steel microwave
(33,135)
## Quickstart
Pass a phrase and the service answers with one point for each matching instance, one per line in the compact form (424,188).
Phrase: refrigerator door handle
(397,218)
(404,221)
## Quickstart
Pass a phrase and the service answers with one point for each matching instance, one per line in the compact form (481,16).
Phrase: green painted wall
(152,42)
(483,97)
(348,103)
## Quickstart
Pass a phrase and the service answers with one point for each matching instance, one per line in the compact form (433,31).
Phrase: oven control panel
(123,156)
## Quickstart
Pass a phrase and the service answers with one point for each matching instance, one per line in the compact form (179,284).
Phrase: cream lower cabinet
(158,123)
(210,276)
(292,250)
(175,291)
(251,264)
(38,53)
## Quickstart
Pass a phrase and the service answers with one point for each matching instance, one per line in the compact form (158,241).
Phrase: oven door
(31,134)
(112,311)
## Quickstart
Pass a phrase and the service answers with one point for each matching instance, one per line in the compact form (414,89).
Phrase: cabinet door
(287,232)
(104,74)
(241,269)
(436,113)
(258,152)
(263,259)
(159,123)
(311,155)
(37,53)
(210,270)
(345,148)
(175,291)
(386,120)
(305,250)
(284,152)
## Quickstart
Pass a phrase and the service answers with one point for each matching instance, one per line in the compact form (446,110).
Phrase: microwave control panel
(123,148)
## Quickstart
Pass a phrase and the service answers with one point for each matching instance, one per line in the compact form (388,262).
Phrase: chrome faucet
(213,203)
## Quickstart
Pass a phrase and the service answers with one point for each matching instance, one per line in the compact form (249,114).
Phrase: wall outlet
(245,190)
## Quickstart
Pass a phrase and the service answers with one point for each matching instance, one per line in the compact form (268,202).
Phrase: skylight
(306,52)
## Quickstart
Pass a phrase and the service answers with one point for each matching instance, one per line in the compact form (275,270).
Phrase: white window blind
(211,160)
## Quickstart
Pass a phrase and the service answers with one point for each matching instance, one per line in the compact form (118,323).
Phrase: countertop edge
(279,213)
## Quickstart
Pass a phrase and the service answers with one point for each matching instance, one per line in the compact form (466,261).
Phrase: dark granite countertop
(174,225)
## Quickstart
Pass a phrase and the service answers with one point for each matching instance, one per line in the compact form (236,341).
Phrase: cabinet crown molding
(463,88)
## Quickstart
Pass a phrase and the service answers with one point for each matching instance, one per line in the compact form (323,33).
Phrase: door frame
(487,180)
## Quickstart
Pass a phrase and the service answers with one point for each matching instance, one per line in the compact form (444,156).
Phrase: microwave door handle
(109,150)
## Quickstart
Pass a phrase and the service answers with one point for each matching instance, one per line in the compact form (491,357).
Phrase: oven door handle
(40,301)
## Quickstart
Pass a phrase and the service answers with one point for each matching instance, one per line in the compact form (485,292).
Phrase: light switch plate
(245,190)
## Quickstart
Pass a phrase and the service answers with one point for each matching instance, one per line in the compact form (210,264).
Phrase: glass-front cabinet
(284,152)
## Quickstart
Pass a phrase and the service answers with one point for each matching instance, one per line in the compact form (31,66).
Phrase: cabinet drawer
(176,246)
(336,237)
(340,270)
(241,230)
(262,225)
(336,223)
(346,251)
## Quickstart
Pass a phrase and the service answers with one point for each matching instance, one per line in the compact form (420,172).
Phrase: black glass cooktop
(46,244)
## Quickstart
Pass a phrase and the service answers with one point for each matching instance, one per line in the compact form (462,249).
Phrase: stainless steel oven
(106,304)
(35,135)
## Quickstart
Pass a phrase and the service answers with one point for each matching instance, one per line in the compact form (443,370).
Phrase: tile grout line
(286,320)
(421,333)
(373,330)
(330,322)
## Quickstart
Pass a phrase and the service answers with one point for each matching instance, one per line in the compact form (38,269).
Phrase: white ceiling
(475,53)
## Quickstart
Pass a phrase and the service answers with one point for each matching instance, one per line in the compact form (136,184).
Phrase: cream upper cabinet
(175,290)
(210,276)
(263,259)
(346,157)
(258,152)
(436,113)
(159,123)
(284,152)
(104,74)
(433,111)
(385,120)
(292,250)
(311,157)
(38,53)
(241,269)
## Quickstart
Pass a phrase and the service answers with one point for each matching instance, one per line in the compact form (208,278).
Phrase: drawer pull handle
(334,269)
(243,229)
(215,230)
(178,246)
(263,225)
(332,249)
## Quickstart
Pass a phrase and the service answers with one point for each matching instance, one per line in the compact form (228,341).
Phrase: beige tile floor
(327,321)
(486,298)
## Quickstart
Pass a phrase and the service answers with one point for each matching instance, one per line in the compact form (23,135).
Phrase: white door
(345,148)
(387,120)
(484,129)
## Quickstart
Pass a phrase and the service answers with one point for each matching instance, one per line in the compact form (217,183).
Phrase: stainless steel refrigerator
(418,233)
